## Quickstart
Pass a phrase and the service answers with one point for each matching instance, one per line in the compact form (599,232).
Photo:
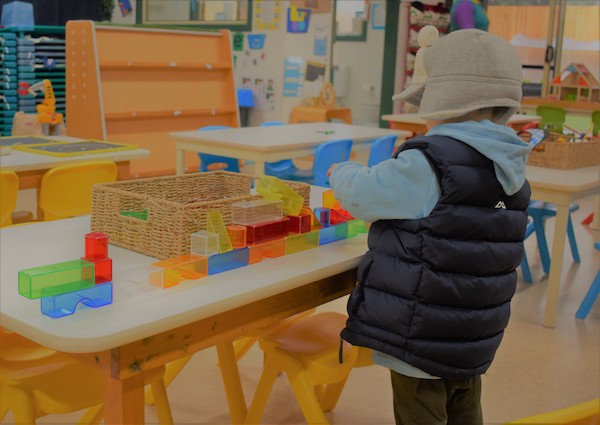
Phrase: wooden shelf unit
(136,85)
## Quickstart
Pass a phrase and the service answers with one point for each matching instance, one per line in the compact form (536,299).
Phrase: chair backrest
(66,190)
(326,155)
(9,189)
(271,167)
(210,162)
(596,122)
(272,123)
(553,118)
(382,149)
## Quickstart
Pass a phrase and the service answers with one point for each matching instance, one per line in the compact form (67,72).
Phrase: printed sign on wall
(293,76)
(267,14)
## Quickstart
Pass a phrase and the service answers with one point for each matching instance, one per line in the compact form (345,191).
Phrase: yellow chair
(308,351)
(587,413)
(9,188)
(66,190)
(36,381)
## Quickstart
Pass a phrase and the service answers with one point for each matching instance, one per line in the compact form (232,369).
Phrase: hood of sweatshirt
(498,143)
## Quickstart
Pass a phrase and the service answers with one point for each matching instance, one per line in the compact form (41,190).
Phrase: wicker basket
(551,154)
(156,216)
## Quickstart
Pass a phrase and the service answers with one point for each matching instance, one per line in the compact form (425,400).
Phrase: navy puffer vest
(435,292)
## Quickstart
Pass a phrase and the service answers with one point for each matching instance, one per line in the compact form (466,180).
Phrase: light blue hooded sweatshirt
(407,188)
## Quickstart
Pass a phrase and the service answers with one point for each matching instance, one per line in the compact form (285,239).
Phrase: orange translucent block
(215,224)
(273,189)
(314,222)
(300,223)
(96,246)
(173,271)
(269,249)
(356,226)
(237,235)
(263,232)
(329,200)
(301,242)
(55,279)
(102,269)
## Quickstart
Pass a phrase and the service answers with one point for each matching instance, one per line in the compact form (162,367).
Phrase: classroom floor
(536,369)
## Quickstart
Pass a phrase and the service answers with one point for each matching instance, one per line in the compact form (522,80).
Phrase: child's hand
(330,169)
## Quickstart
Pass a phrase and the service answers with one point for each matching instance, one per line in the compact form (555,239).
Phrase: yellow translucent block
(273,189)
(301,242)
(173,271)
(237,235)
(314,222)
(269,249)
(329,200)
(215,224)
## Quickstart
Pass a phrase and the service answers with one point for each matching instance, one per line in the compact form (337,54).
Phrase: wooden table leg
(180,161)
(124,400)
(558,247)
(232,382)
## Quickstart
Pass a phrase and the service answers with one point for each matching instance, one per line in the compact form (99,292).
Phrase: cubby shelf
(130,115)
(171,66)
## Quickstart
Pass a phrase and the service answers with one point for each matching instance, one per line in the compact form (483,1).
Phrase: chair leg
(163,409)
(263,389)
(540,234)
(22,406)
(572,241)
(525,270)
(93,415)
(242,345)
(172,370)
(589,299)
(332,394)
(305,394)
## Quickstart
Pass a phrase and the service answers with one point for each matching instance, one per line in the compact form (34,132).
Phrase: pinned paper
(298,20)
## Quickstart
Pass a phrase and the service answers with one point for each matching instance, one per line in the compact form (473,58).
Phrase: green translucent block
(357,226)
(273,189)
(55,279)
(301,242)
(142,215)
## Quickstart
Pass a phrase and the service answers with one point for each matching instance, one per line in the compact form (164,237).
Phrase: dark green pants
(436,401)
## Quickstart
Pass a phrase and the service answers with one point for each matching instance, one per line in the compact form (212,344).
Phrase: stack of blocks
(62,286)
(271,227)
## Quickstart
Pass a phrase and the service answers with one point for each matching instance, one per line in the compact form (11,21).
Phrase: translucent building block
(336,217)
(333,233)
(65,304)
(215,224)
(257,211)
(96,246)
(55,279)
(269,249)
(262,232)
(273,189)
(102,269)
(301,242)
(204,243)
(314,222)
(228,261)
(356,226)
(329,200)
(300,223)
(323,216)
(173,271)
(141,215)
(237,235)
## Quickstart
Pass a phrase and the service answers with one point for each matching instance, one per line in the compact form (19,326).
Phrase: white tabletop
(286,137)
(27,161)
(414,118)
(140,309)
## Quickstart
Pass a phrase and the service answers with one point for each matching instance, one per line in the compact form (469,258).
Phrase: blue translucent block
(65,304)
(219,263)
(333,233)
(323,215)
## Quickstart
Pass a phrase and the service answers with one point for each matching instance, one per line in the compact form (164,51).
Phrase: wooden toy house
(575,83)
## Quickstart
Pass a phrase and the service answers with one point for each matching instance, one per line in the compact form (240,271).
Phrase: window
(230,14)
(351,18)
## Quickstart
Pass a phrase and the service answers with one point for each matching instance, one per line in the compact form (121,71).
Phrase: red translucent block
(102,269)
(96,246)
(300,223)
(314,222)
(324,216)
(335,217)
(270,230)
(269,249)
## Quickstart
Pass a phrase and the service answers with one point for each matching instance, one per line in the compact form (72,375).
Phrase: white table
(30,167)
(273,143)
(416,124)
(146,326)
(561,187)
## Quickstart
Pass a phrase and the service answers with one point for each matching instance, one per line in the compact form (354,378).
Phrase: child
(448,217)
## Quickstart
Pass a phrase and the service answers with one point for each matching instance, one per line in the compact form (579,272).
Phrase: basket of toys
(564,151)
(156,216)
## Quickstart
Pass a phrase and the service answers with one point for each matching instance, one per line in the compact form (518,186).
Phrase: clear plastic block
(204,243)
(256,211)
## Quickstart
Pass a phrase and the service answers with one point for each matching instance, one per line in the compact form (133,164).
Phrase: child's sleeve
(405,187)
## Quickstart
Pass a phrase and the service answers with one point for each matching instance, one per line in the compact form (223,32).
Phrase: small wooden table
(415,124)
(581,108)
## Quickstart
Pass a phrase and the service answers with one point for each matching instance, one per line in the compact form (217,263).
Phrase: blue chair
(220,162)
(326,154)
(539,212)
(278,168)
(382,149)
(592,294)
